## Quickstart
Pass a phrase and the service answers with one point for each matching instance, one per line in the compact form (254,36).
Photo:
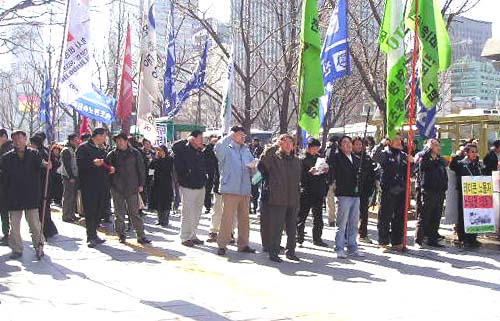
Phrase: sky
(487,10)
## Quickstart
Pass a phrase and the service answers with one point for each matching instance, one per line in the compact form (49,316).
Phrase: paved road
(167,281)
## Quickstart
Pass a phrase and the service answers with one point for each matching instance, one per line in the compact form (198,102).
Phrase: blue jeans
(347,223)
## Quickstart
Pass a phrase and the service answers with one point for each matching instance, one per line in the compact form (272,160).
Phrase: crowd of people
(232,179)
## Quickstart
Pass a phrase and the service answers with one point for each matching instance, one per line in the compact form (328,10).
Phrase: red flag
(85,126)
(124,107)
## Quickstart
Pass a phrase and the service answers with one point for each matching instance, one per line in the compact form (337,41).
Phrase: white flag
(76,73)
(150,74)
(227,102)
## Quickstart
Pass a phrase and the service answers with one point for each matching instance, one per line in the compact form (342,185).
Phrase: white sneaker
(341,255)
(357,253)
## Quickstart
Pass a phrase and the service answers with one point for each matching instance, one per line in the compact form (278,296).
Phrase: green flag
(310,69)
(435,47)
(391,41)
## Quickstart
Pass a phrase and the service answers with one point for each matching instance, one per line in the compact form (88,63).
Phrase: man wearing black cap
(21,169)
(312,195)
(126,183)
(93,173)
(190,168)
(5,146)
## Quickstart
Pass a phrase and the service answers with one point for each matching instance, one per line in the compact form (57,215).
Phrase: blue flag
(197,81)
(96,105)
(169,92)
(334,56)
(426,118)
(45,104)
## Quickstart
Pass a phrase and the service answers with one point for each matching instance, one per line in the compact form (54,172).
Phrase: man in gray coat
(69,173)
(126,183)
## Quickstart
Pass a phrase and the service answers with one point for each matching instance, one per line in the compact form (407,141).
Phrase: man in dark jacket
(468,166)
(190,167)
(393,162)
(212,167)
(127,182)
(5,146)
(434,183)
(280,196)
(93,173)
(312,194)
(69,173)
(345,179)
(367,180)
(21,170)
(492,159)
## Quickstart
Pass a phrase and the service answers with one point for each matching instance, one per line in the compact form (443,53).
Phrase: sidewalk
(167,281)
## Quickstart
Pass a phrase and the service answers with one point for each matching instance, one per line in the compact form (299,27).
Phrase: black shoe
(247,249)
(197,242)
(435,244)
(221,252)
(92,243)
(275,258)
(207,211)
(264,249)
(143,240)
(99,240)
(320,243)
(16,255)
(159,223)
(69,220)
(4,241)
(292,257)
(39,253)
(188,243)
(122,239)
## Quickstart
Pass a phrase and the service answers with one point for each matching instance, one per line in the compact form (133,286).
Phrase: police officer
(393,161)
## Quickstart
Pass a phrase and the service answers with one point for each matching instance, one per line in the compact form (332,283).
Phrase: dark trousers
(95,203)
(306,204)
(255,197)
(69,199)
(49,228)
(364,203)
(264,225)
(419,201)
(430,216)
(282,217)
(208,193)
(5,222)
(391,218)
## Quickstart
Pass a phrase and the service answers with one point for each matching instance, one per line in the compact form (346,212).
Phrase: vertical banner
(227,101)
(149,82)
(124,107)
(479,212)
(76,73)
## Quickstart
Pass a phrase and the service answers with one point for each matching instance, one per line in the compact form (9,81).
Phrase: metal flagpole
(411,122)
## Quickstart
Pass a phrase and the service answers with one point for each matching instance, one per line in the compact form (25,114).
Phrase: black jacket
(345,174)
(490,162)
(393,177)
(21,179)
(130,171)
(432,173)
(312,185)
(190,165)
(211,161)
(91,176)
(162,191)
(6,147)
(369,174)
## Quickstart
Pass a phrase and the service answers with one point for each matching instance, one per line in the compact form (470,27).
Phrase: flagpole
(411,122)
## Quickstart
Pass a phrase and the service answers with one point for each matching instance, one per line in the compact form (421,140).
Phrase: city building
(468,37)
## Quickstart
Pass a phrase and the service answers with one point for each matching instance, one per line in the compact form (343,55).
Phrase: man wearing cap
(93,173)
(21,170)
(190,167)
(5,146)
(235,166)
(126,183)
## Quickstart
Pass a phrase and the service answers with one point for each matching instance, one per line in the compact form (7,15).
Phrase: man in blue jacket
(235,166)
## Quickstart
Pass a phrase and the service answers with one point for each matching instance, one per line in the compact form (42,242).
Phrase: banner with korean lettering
(479,212)
(76,77)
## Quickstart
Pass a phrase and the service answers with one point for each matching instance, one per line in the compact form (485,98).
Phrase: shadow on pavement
(186,310)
